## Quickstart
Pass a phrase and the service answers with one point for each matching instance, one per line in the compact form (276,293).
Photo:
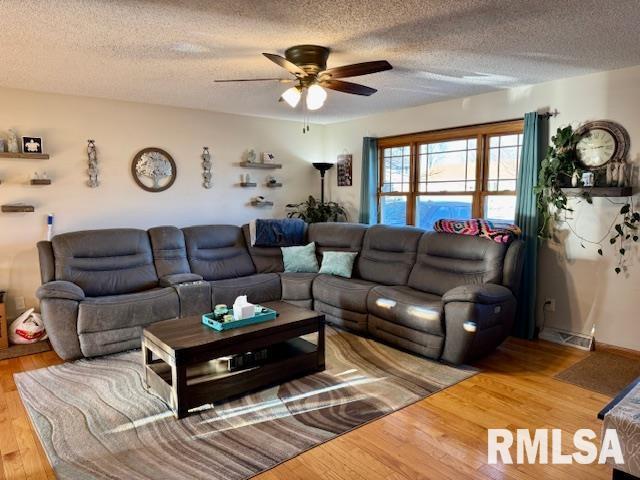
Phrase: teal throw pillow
(338,263)
(300,259)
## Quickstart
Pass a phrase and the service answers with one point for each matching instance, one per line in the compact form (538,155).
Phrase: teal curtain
(369,187)
(533,148)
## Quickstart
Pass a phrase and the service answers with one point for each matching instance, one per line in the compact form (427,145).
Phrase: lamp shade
(316,96)
(292,96)
(322,166)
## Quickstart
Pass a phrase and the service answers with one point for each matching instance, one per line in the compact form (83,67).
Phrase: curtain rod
(553,113)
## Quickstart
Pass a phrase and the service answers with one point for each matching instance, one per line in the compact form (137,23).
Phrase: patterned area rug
(95,419)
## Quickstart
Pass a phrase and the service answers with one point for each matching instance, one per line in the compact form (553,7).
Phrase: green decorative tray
(215,321)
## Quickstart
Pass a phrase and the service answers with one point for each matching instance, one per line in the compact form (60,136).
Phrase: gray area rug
(95,420)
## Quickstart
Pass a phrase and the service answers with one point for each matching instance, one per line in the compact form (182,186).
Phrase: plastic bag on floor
(27,328)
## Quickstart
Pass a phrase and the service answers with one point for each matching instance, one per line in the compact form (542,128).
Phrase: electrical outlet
(550,305)
(18,303)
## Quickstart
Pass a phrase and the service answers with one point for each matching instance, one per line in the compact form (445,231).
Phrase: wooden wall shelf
(260,165)
(249,184)
(274,185)
(18,209)
(261,204)
(30,156)
(40,181)
(599,191)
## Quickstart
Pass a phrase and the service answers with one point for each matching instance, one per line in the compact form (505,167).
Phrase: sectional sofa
(444,296)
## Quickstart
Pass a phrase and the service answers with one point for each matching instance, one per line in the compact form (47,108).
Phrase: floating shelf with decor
(261,204)
(274,185)
(18,209)
(40,181)
(248,184)
(610,192)
(30,156)
(260,165)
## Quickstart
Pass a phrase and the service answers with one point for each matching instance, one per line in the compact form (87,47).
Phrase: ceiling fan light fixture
(292,96)
(316,95)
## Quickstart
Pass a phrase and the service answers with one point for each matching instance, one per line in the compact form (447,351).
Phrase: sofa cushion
(259,288)
(337,237)
(217,252)
(265,259)
(297,285)
(105,262)
(100,314)
(405,306)
(300,258)
(446,261)
(388,254)
(345,293)
(338,263)
(169,251)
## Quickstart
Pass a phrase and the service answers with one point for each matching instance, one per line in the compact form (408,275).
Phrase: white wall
(120,129)
(586,289)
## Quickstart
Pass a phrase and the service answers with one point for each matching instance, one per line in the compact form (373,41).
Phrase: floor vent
(571,339)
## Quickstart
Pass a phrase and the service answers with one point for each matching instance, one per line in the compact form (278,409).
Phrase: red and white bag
(27,328)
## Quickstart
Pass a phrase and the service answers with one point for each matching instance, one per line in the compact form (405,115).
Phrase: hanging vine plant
(556,171)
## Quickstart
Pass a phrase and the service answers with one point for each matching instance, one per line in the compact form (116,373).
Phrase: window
(459,173)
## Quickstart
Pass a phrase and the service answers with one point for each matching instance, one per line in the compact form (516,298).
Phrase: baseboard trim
(623,351)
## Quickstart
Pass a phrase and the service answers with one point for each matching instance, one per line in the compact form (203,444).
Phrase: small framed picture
(345,175)
(268,157)
(31,145)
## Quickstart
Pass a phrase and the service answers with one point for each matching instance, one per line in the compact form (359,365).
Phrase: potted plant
(313,211)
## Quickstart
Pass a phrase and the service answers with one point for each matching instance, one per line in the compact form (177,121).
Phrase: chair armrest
(60,289)
(178,278)
(487,294)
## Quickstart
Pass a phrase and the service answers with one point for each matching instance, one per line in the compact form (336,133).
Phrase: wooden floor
(441,437)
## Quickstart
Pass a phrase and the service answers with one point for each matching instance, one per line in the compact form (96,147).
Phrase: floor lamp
(322,167)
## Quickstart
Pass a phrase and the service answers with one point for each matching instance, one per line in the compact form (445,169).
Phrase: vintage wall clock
(602,142)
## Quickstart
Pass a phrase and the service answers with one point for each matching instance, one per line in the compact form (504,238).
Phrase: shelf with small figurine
(266,163)
(31,147)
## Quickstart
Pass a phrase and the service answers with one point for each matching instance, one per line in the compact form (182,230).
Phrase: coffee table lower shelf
(203,385)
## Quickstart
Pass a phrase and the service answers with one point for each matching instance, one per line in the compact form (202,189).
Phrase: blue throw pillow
(338,263)
(300,259)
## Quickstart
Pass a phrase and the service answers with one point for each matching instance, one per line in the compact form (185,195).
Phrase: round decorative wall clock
(153,169)
(602,142)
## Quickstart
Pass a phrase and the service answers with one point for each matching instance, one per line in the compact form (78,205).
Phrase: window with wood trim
(460,173)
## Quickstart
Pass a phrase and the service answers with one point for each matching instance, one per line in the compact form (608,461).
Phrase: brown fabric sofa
(444,296)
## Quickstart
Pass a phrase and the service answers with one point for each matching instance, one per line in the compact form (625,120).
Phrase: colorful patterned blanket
(478,227)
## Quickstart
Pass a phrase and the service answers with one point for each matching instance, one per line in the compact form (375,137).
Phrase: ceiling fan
(308,64)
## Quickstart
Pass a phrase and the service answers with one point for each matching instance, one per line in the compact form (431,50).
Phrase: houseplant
(555,173)
(313,211)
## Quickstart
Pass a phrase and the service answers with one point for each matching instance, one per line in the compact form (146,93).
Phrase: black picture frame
(345,170)
(32,145)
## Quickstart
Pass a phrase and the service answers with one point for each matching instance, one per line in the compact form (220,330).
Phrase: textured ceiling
(165,52)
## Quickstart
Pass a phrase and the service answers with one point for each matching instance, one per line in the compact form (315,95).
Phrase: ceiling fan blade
(348,87)
(281,80)
(357,69)
(286,64)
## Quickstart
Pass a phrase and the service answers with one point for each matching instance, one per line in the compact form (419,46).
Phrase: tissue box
(242,308)
(240,312)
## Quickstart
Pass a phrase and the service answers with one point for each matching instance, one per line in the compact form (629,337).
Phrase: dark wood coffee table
(177,356)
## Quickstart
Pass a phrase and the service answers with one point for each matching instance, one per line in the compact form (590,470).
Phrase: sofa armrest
(477,319)
(487,294)
(178,278)
(60,289)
